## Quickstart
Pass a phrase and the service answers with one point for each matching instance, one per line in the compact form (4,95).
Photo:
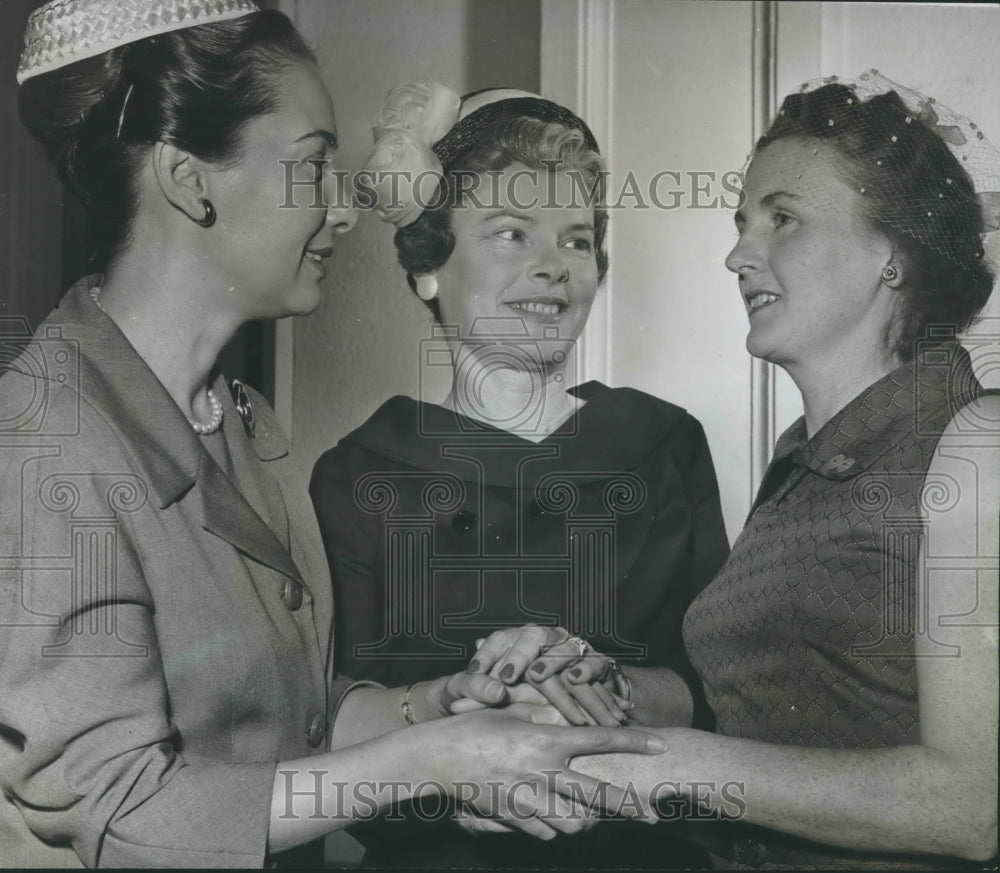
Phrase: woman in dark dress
(849,645)
(519,499)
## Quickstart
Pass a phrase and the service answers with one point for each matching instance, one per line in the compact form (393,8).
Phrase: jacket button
(292,594)
(463,521)
(316,731)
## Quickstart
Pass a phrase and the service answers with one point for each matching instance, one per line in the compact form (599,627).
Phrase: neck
(163,307)
(828,385)
(531,404)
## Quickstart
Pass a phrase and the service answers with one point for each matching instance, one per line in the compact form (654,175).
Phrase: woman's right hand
(504,768)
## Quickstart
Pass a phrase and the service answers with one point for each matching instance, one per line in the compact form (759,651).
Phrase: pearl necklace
(202,428)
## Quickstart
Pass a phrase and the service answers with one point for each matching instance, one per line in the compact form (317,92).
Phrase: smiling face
(809,262)
(521,268)
(281,206)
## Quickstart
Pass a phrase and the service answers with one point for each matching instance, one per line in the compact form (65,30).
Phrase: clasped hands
(568,681)
(547,676)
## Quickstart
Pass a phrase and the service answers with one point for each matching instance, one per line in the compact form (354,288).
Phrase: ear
(894,274)
(182,178)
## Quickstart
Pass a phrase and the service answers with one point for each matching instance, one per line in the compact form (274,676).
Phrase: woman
(517,500)
(849,645)
(166,687)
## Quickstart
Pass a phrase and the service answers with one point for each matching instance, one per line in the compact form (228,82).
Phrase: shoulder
(634,407)
(382,439)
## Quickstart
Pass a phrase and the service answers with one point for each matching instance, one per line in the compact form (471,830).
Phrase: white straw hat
(65,31)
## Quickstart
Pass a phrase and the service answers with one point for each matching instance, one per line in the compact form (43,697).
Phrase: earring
(889,273)
(427,287)
(209,218)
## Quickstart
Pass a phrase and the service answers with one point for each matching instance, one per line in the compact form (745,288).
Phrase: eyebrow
(327,136)
(768,200)
(508,213)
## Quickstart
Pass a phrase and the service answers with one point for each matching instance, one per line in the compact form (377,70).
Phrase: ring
(581,644)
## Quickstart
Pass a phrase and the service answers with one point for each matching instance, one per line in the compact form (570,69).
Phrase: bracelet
(623,688)
(407,707)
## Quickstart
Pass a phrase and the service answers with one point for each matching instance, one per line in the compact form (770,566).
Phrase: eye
(781,219)
(514,234)
(580,244)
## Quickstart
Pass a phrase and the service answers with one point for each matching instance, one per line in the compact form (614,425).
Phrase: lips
(317,256)
(757,300)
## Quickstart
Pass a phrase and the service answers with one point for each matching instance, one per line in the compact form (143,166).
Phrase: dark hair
(425,245)
(916,192)
(194,88)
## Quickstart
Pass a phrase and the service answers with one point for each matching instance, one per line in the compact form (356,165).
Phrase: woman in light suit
(167,695)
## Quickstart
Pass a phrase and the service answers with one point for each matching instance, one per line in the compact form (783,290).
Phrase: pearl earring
(427,287)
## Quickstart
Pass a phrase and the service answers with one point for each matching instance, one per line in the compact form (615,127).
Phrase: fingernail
(473,666)
(576,672)
(507,672)
(655,744)
(628,704)
(538,668)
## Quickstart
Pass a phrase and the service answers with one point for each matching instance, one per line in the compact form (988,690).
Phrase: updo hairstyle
(426,245)
(194,88)
(915,191)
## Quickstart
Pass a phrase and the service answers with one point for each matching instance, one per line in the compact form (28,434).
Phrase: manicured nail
(507,672)
(473,666)
(655,744)
(576,672)
(538,668)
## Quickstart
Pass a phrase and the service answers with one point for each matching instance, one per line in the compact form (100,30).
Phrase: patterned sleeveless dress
(806,635)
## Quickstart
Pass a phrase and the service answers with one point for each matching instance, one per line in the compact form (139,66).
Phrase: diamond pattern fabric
(806,635)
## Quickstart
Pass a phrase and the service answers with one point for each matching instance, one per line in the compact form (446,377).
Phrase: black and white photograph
(499,434)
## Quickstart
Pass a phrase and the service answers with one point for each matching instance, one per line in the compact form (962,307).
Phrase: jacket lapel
(229,516)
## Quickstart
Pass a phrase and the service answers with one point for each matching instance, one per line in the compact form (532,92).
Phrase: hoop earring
(427,287)
(889,273)
(209,218)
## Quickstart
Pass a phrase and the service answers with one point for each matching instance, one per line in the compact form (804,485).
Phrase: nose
(549,266)
(341,219)
(745,255)
(341,216)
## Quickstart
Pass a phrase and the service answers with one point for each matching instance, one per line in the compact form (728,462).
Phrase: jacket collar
(614,431)
(920,397)
(119,386)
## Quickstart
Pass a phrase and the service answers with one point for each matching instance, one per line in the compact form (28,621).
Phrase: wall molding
(764,97)
(577,70)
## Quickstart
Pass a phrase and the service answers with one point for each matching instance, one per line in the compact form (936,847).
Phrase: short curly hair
(426,245)
(916,192)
